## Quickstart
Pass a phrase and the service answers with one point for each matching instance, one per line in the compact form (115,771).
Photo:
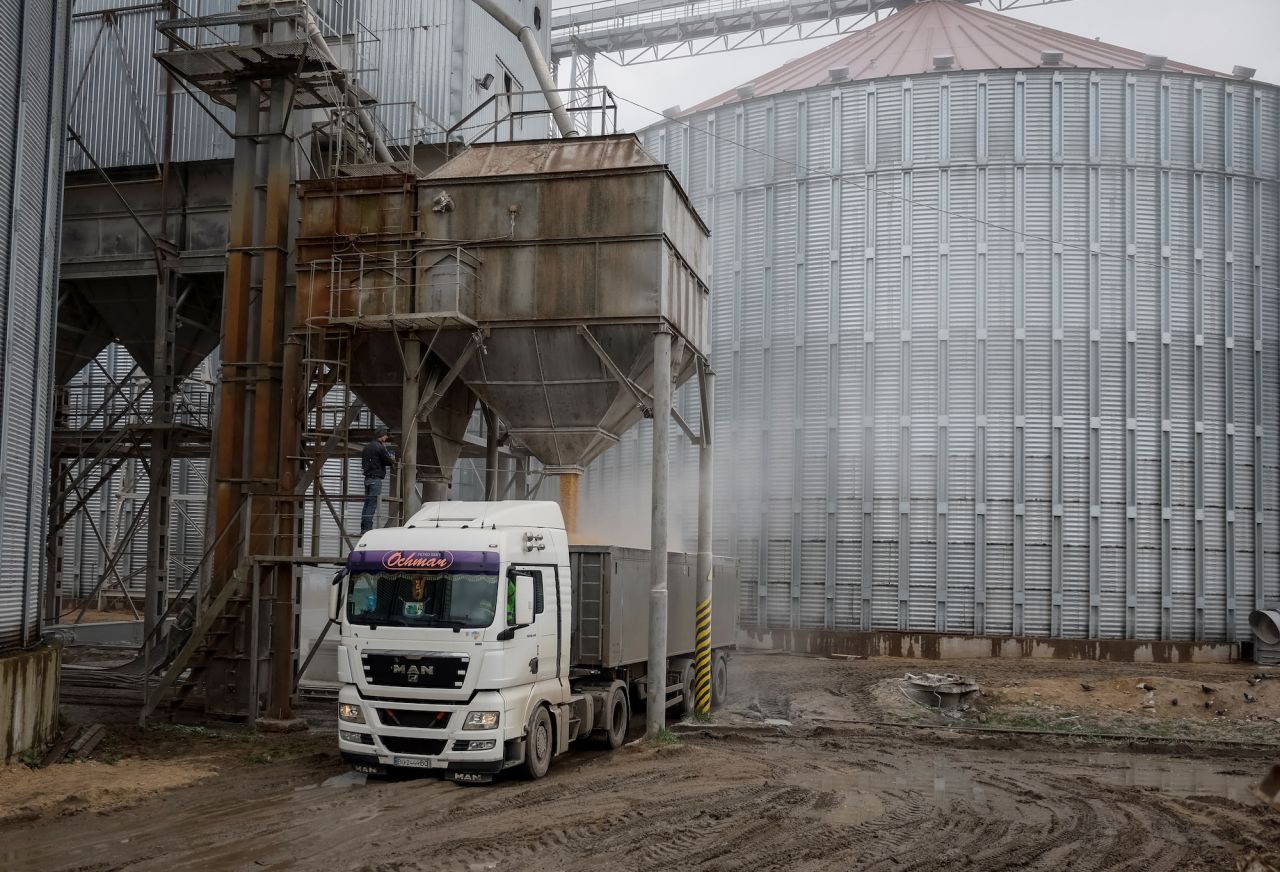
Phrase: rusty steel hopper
(588,246)
(536,272)
(359,266)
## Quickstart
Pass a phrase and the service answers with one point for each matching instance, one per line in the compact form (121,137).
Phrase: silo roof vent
(1244,72)
(838,74)
(671,111)
(747,91)
(1154,62)
(943,61)
(1049,58)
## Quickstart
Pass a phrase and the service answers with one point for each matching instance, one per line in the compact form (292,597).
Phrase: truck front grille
(408,745)
(420,720)
(409,669)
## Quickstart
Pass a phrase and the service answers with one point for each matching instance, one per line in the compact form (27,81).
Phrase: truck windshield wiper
(445,622)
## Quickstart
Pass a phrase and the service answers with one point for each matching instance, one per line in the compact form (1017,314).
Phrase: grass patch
(202,732)
(31,759)
(664,739)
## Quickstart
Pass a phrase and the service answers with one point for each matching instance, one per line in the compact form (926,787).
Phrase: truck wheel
(617,715)
(538,745)
(719,679)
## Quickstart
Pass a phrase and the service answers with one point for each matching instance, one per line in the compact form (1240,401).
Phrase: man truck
(476,639)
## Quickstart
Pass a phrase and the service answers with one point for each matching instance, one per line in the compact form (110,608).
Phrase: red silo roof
(906,43)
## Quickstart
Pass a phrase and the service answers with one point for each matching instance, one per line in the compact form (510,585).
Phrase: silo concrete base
(28,700)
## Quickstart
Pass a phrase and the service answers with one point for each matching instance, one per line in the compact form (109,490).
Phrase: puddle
(346,779)
(1178,777)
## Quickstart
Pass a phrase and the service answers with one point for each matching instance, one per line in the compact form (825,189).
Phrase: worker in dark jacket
(375,458)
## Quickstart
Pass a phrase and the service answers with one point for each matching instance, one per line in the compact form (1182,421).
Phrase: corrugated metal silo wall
(997,353)
(420,58)
(33,35)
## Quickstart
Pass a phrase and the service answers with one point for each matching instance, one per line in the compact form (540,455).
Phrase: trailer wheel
(617,715)
(687,673)
(538,744)
(719,679)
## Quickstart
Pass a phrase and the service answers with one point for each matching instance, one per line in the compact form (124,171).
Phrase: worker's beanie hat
(381,431)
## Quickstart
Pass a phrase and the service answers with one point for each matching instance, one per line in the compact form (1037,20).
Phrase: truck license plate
(415,762)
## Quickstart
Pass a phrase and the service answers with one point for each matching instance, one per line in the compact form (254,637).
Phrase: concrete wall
(28,700)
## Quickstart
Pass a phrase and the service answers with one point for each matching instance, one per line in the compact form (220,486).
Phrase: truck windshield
(423,599)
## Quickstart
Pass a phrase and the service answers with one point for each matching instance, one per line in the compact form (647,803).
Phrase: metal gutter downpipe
(528,38)
(362,117)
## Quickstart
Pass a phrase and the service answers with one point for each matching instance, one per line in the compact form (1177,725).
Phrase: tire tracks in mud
(806,798)
(788,816)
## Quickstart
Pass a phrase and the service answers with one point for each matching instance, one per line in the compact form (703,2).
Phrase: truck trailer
(476,639)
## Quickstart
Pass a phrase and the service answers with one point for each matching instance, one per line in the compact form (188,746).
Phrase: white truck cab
(454,650)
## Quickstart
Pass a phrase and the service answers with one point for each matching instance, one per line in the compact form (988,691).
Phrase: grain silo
(33,40)
(995,315)
(33,37)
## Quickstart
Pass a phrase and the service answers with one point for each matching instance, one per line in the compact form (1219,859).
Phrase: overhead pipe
(529,39)
(370,131)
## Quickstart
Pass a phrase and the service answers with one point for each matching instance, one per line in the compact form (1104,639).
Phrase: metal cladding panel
(33,43)
(420,59)
(116,92)
(1077,393)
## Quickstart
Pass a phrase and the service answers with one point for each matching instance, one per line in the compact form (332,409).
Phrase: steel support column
(293,398)
(702,628)
(233,422)
(272,521)
(491,454)
(160,467)
(656,710)
(410,398)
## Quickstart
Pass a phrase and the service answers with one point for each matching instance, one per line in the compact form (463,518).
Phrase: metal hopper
(536,272)
(589,247)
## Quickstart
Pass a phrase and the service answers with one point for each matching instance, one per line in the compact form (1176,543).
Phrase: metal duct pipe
(528,38)
(362,117)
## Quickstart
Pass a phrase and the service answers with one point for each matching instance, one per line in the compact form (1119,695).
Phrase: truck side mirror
(524,601)
(335,595)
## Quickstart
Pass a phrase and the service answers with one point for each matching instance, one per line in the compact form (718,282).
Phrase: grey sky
(1216,35)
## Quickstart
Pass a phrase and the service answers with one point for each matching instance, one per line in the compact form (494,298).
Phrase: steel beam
(642,31)
(656,710)
(410,399)
(491,453)
(703,611)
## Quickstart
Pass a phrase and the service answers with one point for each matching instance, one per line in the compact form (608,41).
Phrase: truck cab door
(546,620)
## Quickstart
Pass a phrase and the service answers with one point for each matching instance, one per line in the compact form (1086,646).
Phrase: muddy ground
(815,764)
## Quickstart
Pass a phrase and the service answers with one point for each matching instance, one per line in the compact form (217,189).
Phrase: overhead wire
(877,191)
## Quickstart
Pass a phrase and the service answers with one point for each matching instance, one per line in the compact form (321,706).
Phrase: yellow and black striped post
(702,661)
(702,625)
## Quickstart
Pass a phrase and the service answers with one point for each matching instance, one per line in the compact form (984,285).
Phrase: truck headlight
(349,712)
(481,721)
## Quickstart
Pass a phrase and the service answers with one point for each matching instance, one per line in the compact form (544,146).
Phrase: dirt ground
(815,764)
(71,610)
